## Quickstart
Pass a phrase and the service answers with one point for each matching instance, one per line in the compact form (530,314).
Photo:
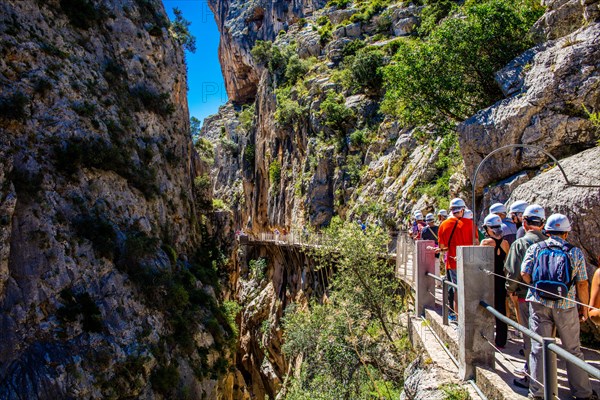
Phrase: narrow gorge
(121,274)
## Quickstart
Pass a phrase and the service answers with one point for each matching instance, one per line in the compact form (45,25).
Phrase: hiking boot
(522,382)
(452,319)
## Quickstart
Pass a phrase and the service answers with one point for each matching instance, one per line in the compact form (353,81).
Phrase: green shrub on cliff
(275,173)
(289,111)
(335,114)
(343,342)
(366,70)
(450,74)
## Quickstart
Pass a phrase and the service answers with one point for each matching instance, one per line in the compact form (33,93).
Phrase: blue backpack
(552,271)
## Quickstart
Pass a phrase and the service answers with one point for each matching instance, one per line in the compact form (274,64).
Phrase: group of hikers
(535,268)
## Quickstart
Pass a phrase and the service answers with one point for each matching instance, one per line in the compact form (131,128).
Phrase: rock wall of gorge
(107,260)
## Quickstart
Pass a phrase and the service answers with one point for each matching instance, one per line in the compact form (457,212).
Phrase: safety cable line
(540,290)
(510,361)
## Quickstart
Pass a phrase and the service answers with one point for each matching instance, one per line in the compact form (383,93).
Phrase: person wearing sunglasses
(492,224)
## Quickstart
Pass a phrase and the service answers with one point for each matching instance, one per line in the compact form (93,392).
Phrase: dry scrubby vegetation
(435,78)
(352,346)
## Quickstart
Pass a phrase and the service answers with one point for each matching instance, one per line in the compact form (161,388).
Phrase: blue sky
(205,81)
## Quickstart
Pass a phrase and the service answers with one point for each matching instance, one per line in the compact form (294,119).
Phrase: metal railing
(404,257)
(548,345)
(446,284)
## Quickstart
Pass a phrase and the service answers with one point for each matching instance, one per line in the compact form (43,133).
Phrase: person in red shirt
(453,232)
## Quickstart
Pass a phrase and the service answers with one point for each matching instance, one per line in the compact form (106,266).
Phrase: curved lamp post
(509,146)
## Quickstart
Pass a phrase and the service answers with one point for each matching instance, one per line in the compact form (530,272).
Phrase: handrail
(565,355)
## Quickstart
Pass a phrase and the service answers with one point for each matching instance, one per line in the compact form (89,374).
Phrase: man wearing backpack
(556,271)
(533,222)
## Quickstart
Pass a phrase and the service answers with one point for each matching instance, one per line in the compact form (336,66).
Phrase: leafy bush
(325,34)
(289,111)
(249,154)
(340,4)
(219,204)
(295,69)
(275,173)
(84,108)
(335,113)
(323,20)
(258,268)
(353,47)
(433,12)
(202,182)
(204,147)
(359,137)
(451,75)
(246,117)
(341,340)
(262,52)
(14,106)
(366,72)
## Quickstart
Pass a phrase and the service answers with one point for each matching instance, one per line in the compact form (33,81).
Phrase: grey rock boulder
(548,112)
(580,204)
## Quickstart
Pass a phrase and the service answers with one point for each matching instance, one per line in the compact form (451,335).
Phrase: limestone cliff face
(241,23)
(99,217)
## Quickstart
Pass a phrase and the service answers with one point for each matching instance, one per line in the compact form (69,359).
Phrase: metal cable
(540,290)
(454,360)
(510,361)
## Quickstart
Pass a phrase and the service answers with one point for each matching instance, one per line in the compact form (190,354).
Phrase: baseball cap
(557,223)
(497,208)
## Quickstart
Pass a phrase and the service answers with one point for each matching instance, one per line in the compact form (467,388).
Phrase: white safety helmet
(535,211)
(518,206)
(492,220)
(557,223)
(468,214)
(457,203)
(429,217)
(443,213)
(419,216)
(417,212)
(497,208)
